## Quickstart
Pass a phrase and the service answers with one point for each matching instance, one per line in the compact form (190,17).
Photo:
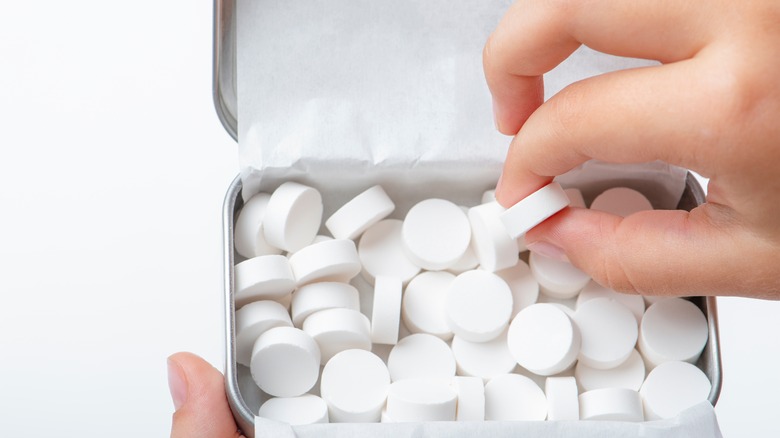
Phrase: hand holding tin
(712,106)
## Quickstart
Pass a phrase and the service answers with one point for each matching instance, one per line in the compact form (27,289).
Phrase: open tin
(243,396)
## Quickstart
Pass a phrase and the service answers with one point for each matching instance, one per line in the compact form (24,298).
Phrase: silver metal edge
(711,360)
(715,371)
(243,415)
(223,68)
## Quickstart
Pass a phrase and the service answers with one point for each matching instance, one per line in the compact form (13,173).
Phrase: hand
(198,392)
(712,106)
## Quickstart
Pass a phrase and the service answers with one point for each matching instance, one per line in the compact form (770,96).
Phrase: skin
(713,106)
(198,392)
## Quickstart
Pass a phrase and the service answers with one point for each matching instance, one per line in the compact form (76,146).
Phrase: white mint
(272,355)
(293,216)
(248,236)
(355,385)
(266,277)
(524,287)
(253,320)
(575,198)
(543,339)
(363,211)
(471,398)
(382,253)
(483,359)
(630,375)
(534,209)
(423,307)
(495,248)
(295,411)
(634,303)
(672,329)
(314,297)
(331,260)
(414,400)
(608,330)
(420,356)
(478,305)
(511,397)
(621,201)
(611,404)
(673,387)
(336,330)
(557,278)
(562,398)
(386,316)
(435,234)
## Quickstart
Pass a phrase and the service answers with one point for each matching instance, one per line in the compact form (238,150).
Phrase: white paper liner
(340,90)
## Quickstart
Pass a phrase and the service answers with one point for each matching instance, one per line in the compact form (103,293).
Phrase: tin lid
(224,65)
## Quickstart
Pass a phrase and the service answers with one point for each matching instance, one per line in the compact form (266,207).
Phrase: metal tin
(244,398)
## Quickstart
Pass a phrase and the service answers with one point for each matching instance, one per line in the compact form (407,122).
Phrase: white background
(113,166)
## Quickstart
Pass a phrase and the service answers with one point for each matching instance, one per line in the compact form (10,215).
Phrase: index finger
(535,36)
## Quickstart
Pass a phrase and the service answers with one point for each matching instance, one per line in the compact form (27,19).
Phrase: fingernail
(176,384)
(495,117)
(498,185)
(548,250)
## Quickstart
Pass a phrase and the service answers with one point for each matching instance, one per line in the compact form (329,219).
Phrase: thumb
(661,252)
(198,393)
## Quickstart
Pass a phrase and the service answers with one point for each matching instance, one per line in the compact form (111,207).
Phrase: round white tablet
(253,320)
(314,297)
(355,385)
(293,216)
(413,400)
(423,307)
(248,236)
(478,305)
(562,398)
(634,303)
(630,375)
(382,253)
(673,387)
(364,210)
(543,339)
(524,287)
(421,356)
(608,330)
(672,329)
(495,248)
(621,201)
(266,277)
(512,397)
(611,404)
(471,398)
(435,234)
(386,315)
(336,330)
(483,359)
(366,293)
(575,198)
(332,260)
(295,411)
(534,209)
(285,362)
(557,278)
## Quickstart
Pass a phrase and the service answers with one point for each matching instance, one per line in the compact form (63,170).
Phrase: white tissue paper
(345,94)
